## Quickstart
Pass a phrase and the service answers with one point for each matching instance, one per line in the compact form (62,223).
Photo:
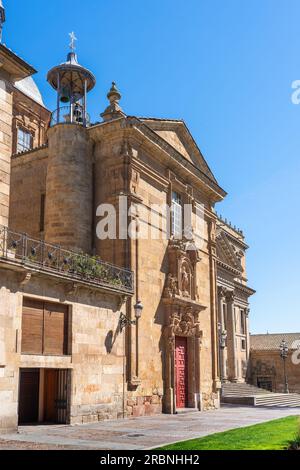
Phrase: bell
(77,112)
(65,95)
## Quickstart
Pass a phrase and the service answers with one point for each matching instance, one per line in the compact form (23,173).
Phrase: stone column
(198,395)
(247,312)
(222,347)
(169,391)
(213,304)
(69,201)
(231,338)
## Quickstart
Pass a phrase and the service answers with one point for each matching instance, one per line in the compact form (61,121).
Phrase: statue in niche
(185,282)
(171,286)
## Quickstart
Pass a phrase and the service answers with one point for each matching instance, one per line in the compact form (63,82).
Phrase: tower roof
(71,72)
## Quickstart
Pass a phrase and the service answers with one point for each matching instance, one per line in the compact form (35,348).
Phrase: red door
(181,370)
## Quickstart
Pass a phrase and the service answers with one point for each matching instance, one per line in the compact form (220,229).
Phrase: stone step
(181,411)
(242,390)
(245,394)
(278,399)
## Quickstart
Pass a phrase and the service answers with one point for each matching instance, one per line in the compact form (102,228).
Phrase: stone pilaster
(247,312)
(231,340)
(5,146)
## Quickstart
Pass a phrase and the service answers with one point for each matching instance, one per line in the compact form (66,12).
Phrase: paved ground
(140,433)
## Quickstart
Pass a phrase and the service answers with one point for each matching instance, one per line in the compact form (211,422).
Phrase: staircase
(245,394)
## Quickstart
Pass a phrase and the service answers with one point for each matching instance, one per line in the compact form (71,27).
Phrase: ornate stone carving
(185,282)
(183,322)
(230,296)
(181,281)
(171,288)
(222,291)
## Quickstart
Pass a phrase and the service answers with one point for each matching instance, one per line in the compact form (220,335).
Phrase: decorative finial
(2,18)
(72,43)
(114,110)
(114,95)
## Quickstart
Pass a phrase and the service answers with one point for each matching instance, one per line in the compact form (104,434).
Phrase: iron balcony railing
(30,252)
(71,114)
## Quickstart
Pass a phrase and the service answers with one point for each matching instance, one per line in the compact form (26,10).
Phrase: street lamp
(138,309)
(125,321)
(284,351)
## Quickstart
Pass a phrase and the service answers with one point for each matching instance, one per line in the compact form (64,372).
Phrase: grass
(272,435)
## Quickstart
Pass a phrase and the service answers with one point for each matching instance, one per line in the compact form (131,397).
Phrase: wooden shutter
(32,327)
(55,324)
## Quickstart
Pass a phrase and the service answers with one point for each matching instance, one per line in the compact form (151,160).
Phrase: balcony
(20,249)
(71,114)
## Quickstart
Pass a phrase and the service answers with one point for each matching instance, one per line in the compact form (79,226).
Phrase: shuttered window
(32,327)
(55,329)
(44,328)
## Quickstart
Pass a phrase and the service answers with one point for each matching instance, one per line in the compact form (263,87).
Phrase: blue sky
(226,67)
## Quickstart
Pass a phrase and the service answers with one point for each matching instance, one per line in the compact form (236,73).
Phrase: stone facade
(96,348)
(30,115)
(12,69)
(123,166)
(266,368)
(233,303)
(94,364)
(58,189)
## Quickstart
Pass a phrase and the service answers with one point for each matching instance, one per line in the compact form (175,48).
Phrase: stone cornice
(244,289)
(14,65)
(25,274)
(179,126)
(153,136)
(228,268)
(18,158)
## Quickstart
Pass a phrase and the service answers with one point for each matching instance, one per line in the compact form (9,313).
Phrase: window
(243,322)
(44,328)
(243,344)
(42,213)
(24,140)
(176,212)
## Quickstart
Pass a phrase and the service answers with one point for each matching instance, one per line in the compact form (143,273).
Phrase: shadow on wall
(110,339)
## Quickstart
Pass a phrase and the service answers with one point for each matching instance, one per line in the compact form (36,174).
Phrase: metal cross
(73,39)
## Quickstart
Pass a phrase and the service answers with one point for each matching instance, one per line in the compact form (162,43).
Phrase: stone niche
(182,319)
(181,279)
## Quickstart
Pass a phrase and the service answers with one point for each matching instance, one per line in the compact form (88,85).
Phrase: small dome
(29,88)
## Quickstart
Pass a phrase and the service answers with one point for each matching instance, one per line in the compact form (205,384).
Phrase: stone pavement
(140,433)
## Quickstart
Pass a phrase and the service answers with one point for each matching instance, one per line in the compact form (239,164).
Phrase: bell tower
(68,214)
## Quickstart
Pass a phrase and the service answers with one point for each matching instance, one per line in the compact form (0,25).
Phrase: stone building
(61,348)
(266,368)
(74,345)
(233,306)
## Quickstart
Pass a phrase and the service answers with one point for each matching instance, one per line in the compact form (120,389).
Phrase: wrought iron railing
(35,253)
(71,114)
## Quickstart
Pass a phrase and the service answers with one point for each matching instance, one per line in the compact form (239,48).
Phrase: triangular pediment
(178,136)
(226,253)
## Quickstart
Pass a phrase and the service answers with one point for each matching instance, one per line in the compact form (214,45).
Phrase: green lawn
(272,435)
